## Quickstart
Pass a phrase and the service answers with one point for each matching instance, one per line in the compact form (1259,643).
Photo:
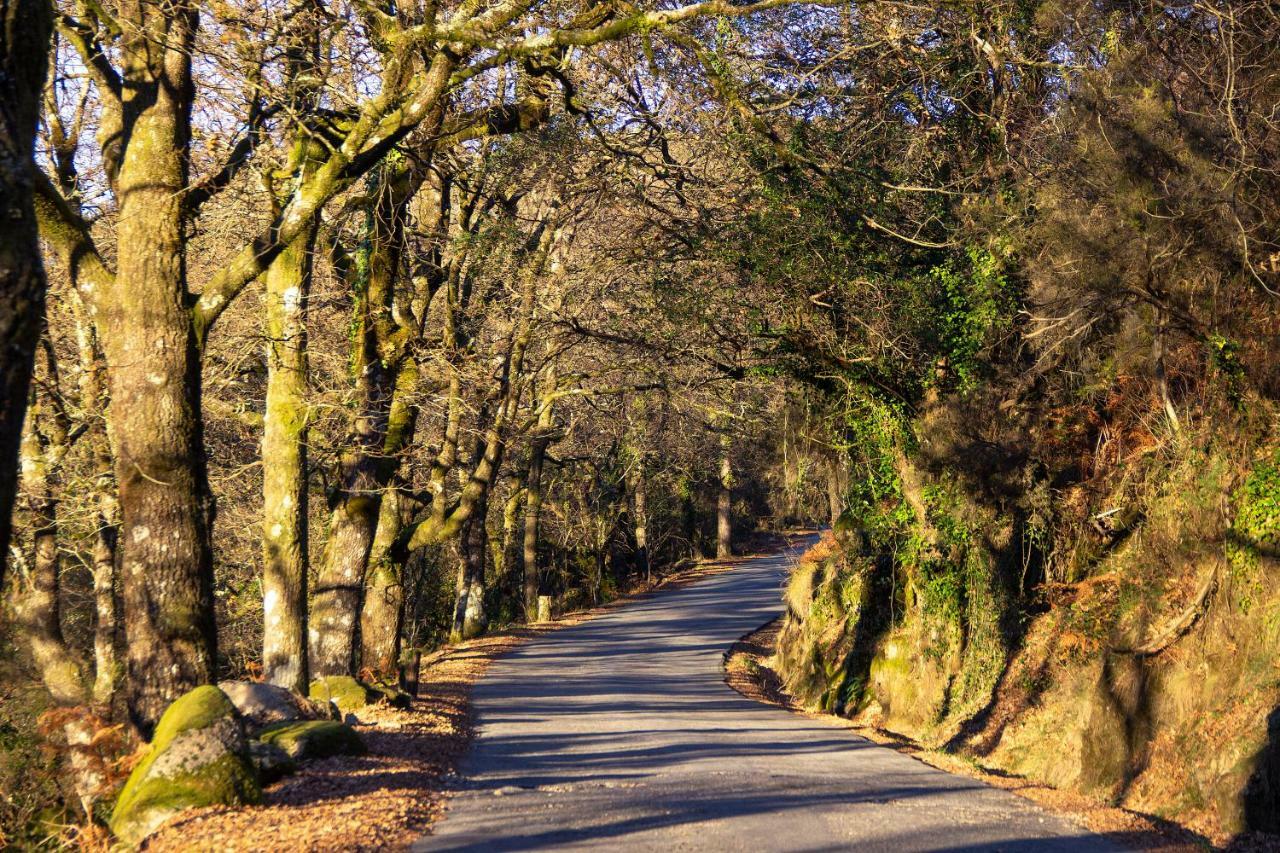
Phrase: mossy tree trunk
(538,446)
(502,538)
(25,29)
(368,464)
(640,519)
(37,609)
(153,354)
(382,615)
(284,470)
(285,562)
(473,546)
(382,610)
(532,577)
(93,401)
(724,502)
(835,491)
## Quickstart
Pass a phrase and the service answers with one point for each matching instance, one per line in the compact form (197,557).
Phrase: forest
(337,333)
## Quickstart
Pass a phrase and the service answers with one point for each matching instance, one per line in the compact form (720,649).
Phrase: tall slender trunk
(724,503)
(284,467)
(25,29)
(1161,376)
(641,521)
(502,535)
(285,546)
(532,517)
(37,601)
(689,513)
(538,446)
(93,401)
(105,625)
(835,498)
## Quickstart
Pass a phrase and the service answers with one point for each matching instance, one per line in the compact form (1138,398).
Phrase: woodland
(336,331)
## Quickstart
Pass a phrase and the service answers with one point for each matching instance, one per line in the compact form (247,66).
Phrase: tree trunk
(151,347)
(468,614)
(25,28)
(370,461)
(1162,378)
(285,561)
(104,606)
(382,615)
(284,467)
(724,504)
(500,540)
(532,515)
(835,500)
(335,604)
(37,607)
(689,511)
(641,522)
(93,402)
(538,445)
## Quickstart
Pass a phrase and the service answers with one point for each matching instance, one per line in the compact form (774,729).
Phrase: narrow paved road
(620,733)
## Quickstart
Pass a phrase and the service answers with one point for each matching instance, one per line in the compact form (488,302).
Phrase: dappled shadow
(748,818)
(621,731)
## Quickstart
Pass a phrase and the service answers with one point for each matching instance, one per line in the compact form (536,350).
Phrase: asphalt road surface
(620,733)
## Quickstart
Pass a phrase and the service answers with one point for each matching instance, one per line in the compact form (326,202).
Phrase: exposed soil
(748,670)
(388,798)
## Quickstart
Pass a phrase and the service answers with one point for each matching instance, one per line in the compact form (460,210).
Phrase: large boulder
(351,695)
(307,739)
(262,704)
(199,756)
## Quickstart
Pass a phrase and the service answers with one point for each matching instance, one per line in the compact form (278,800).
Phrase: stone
(350,695)
(198,757)
(271,761)
(309,739)
(262,704)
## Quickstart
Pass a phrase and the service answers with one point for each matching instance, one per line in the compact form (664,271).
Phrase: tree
(25,29)
(153,327)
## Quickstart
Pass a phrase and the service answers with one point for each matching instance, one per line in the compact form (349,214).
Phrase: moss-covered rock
(343,691)
(272,762)
(350,695)
(199,756)
(308,739)
(393,696)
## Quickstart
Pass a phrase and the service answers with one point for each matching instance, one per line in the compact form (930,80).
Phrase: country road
(620,733)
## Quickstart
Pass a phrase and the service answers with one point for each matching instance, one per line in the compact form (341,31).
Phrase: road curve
(621,733)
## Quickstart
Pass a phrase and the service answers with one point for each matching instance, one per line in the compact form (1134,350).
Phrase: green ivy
(976,301)
(1256,529)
